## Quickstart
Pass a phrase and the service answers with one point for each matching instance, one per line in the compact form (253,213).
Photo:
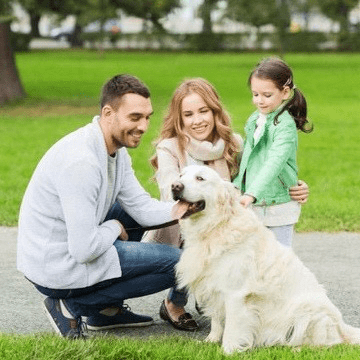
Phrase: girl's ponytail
(297,108)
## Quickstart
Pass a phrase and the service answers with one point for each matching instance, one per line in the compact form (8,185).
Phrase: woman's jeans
(146,269)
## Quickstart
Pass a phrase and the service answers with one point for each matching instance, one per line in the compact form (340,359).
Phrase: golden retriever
(256,291)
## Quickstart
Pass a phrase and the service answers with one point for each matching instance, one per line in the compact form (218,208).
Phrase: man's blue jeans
(146,269)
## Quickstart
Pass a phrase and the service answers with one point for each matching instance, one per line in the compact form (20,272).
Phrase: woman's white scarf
(208,153)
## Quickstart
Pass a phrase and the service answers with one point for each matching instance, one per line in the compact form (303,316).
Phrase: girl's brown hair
(280,74)
(173,125)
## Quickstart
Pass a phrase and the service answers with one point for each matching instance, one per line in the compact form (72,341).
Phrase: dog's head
(203,188)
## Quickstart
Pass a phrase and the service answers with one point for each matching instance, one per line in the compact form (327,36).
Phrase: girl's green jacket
(268,165)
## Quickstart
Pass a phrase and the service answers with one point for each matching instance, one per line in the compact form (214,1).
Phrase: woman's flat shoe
(185,322)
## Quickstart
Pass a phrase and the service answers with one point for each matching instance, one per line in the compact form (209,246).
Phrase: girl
(268,166)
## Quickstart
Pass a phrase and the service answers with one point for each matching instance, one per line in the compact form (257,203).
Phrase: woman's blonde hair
(173,125)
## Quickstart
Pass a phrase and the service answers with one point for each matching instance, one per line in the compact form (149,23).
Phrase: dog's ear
(227,196)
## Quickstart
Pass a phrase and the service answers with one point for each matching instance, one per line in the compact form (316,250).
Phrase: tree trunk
(282,24)
(75,39)
(344,24)
(158,26)
(10,85)
(206,16)
(34,22)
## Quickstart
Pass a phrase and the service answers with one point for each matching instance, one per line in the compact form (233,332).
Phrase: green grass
(50,347)
(64,87)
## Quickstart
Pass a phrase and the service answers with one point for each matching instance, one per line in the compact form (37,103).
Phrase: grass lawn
(50,347)
(63,89)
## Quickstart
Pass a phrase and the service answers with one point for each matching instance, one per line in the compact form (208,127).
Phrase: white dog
(256,291)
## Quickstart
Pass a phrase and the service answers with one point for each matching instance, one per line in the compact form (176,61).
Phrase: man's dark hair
(120,85)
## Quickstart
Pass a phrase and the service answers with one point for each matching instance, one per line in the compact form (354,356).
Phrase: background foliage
(256,13)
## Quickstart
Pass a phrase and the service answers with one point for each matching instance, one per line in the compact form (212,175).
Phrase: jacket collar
(252,125)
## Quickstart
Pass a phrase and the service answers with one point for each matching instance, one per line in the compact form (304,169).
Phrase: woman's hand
(300,192)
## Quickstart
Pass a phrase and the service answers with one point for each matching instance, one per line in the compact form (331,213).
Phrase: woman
(196,130)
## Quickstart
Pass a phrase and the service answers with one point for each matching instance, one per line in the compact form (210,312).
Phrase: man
(81,197)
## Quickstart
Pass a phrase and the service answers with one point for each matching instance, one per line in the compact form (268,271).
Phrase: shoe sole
(51,319)
(95,328)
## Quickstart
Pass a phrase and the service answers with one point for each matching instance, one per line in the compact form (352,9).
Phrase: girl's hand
(300,192)
(246,200)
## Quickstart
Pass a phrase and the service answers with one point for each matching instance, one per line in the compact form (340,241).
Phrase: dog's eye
(199,178)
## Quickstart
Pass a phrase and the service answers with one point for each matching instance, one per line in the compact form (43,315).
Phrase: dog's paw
(214,338)
(230,348)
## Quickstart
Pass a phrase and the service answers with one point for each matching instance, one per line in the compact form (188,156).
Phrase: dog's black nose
(177,188)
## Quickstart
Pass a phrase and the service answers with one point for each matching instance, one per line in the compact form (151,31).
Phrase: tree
(256,12)
(34,10)
(281,20)
(69,7)
(207,40)
(259,13)
(205,13)
(10,84)
(99,10)
(339,10)
(63,8)
(304,7)
(152,10)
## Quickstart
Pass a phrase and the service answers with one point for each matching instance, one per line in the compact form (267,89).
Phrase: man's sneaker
(68,327)
(124,318)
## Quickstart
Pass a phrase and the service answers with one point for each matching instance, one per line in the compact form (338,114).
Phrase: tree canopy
(152,10)
(338,10)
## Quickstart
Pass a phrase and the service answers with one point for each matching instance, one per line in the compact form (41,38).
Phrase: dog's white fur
(256,291)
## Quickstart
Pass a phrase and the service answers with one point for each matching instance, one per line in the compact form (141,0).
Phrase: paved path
(334,258)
